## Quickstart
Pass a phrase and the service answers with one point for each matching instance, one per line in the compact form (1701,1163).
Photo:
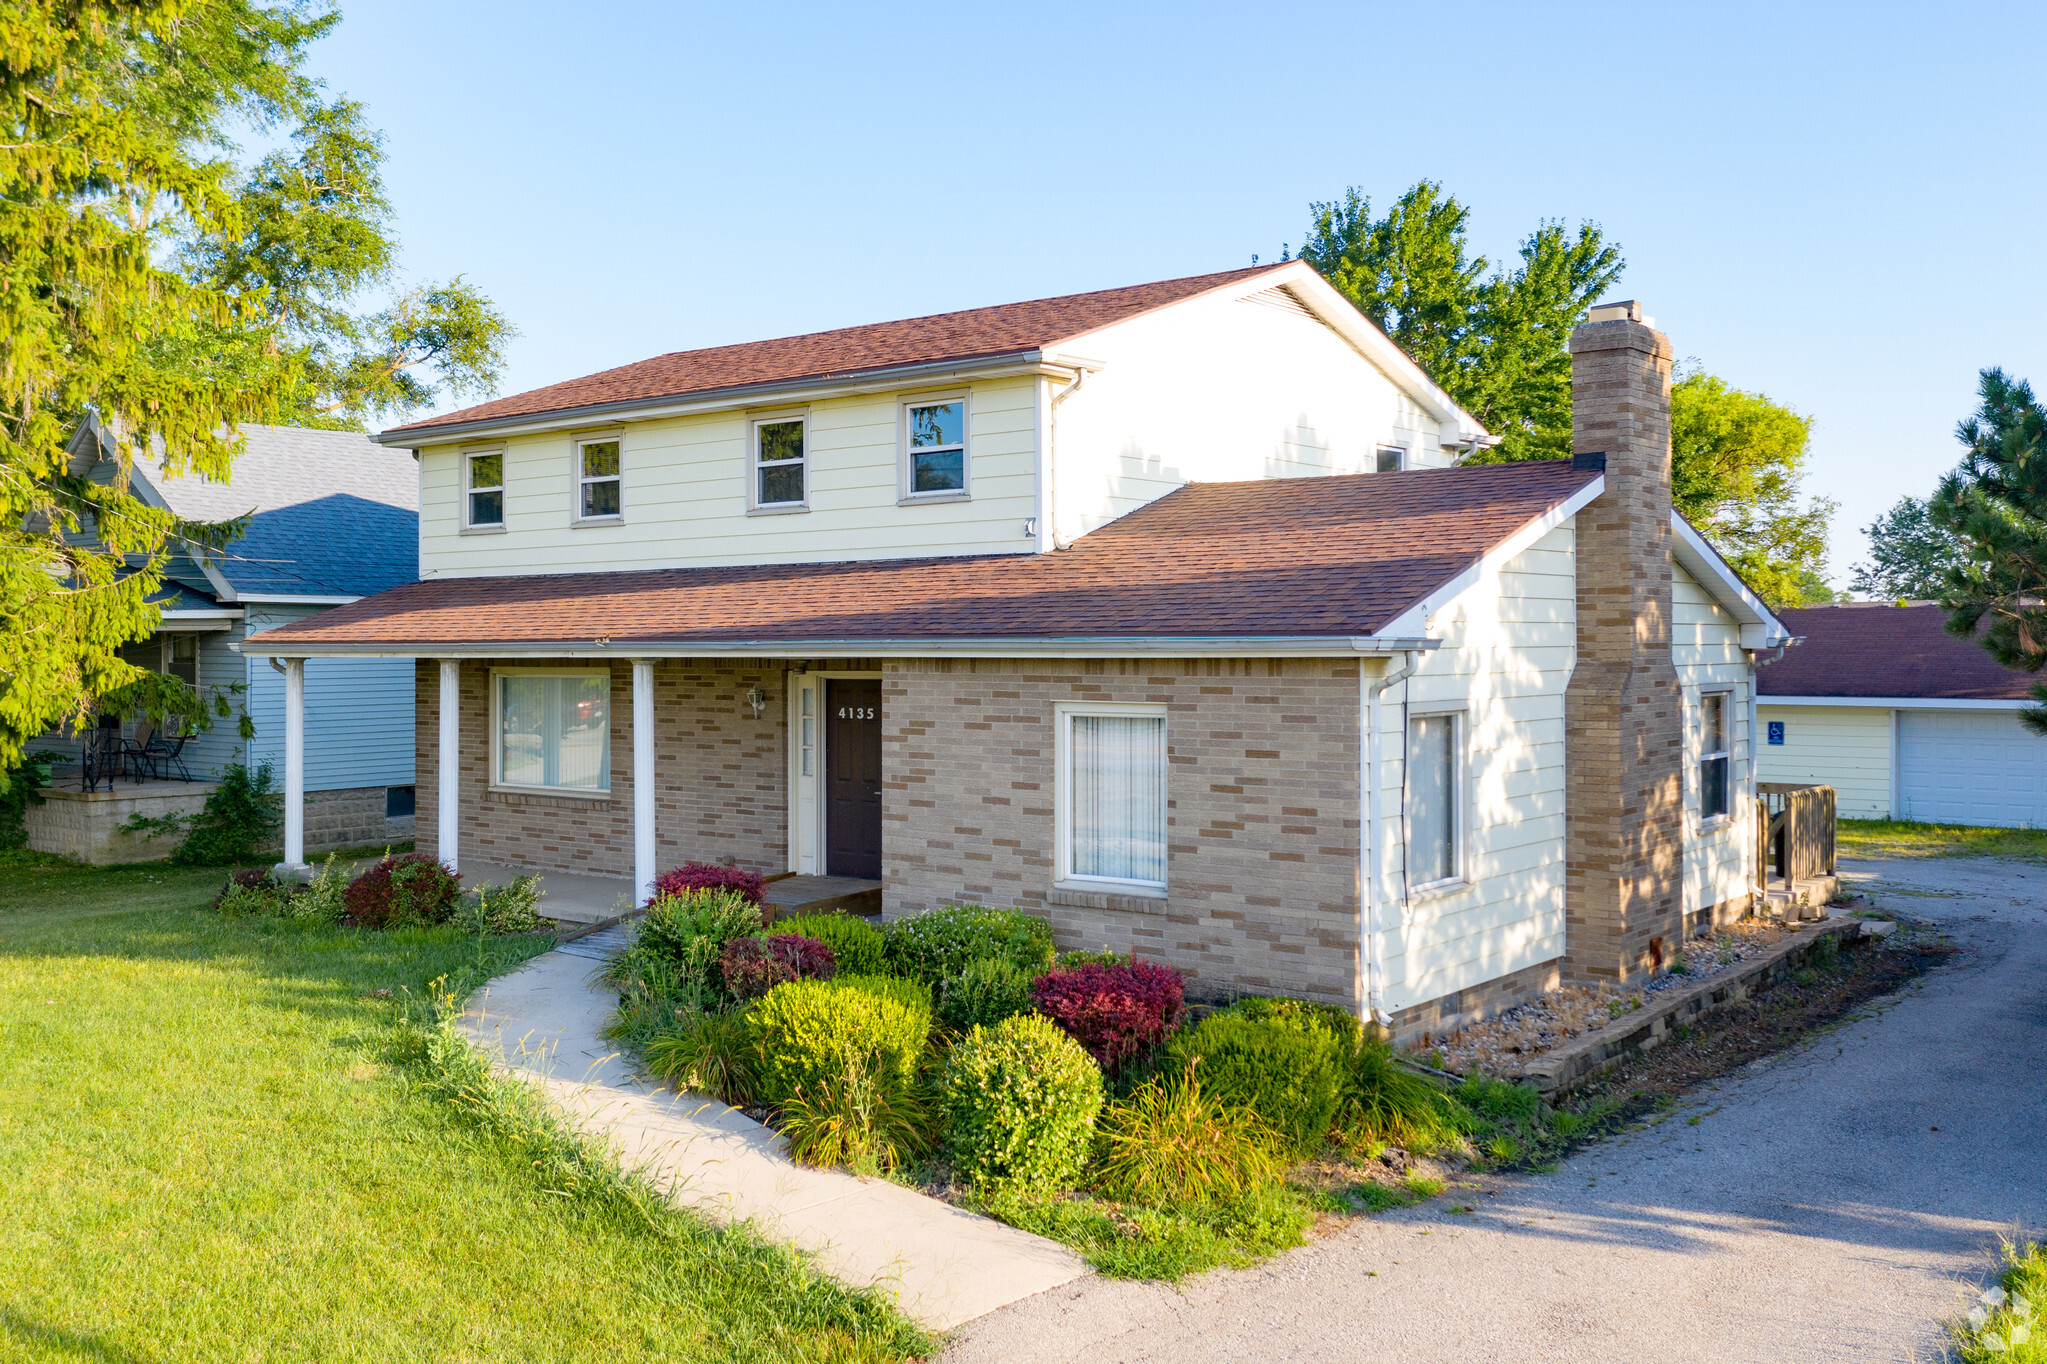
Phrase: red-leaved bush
(709,876)
(411,888)
(1115,1010)
(754,966)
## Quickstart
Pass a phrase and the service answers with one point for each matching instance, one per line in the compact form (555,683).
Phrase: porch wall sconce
(757,700)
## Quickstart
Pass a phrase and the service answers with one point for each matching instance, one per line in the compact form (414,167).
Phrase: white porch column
(644,870)
(448,803)
(294,768)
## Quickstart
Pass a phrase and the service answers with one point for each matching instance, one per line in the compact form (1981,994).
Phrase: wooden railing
(1795,829)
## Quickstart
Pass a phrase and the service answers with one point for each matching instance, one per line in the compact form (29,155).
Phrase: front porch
(583,898)
(93,826)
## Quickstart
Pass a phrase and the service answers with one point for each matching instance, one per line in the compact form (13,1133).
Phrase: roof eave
(1760,628)
(999,365)
(1078,646)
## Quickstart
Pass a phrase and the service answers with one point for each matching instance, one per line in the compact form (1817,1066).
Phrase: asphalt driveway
(1825,1204)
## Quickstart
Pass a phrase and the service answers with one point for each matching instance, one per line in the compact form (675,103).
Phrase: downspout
(1047,541)
(1369,871)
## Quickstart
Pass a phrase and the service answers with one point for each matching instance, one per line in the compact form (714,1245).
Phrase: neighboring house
(1902,719)
(333,517)
(1160,611)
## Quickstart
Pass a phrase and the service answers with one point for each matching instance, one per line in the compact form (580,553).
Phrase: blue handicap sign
(1776,731)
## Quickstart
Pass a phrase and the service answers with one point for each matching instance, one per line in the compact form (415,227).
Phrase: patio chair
(164,750)
(102,751)
(136,750)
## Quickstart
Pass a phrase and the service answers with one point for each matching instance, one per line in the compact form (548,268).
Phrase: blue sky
(1839,206)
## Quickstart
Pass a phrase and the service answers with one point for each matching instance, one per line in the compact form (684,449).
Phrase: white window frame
(578,480)
(754,423)
(906,468)
(1703,756)
(1460,800)
(472,527)
(1063,715)
(497,748)
(1400,464)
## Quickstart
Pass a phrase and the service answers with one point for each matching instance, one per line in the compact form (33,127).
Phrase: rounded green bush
(1020,1105)
(804,1031)
(937,945)
(857,946)
(1286,1070)
(984,993)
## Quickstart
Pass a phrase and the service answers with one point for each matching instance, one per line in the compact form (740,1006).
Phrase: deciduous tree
(1910,556)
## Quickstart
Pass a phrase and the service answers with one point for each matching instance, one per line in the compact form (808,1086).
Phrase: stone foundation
(1419,1024)
(1728,911)
(353,818)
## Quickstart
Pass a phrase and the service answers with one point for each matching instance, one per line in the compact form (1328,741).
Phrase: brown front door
(852,776)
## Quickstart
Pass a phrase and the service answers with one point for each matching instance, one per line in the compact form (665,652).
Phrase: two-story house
(1165,611)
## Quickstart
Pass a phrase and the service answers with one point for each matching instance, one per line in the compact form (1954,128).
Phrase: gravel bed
(1501,1044)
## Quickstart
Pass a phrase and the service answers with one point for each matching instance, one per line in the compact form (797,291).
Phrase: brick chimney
(1623,709)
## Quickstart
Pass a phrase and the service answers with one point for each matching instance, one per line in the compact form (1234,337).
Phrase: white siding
(1220,389)
(359,714)
(1509,644)
(1706,647)
(684,494)
(1845,747)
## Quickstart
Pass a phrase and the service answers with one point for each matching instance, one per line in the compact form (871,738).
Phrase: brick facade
(1262,804)
(723,776)
(1623,710)
(1420,1024)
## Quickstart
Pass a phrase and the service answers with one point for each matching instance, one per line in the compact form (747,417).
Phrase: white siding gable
(1706,649)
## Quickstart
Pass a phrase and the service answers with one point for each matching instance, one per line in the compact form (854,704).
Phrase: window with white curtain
(1713,755)
(553,730)
(1112,797)
(1434,824)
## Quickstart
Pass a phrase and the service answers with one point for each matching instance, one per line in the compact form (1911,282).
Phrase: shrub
(687,934)
(909,994)
(857,945)
(1172,1142)
(239,821)
(1384,1103)
(243,879)
(754,966)
(1066,961)
(709,1053)
(1290,1076)
(679,882)
(938,944)
(1020,1105)
(804,1031)
(1117,1012)
(983,994)
(411,888)
(21,787)
(513,908)
(869,1118)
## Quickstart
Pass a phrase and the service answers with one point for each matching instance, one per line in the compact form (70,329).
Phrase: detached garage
(1902,719)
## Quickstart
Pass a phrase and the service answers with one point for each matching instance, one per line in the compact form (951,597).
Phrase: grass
(241,1140)
(1132,1241)
(1903,838)
(2008,1321)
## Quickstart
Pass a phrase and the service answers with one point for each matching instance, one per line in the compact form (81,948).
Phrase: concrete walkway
(946,1266)
(1827,1204)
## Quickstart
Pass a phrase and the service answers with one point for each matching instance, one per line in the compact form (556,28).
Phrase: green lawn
(1902,838)
(215,1145)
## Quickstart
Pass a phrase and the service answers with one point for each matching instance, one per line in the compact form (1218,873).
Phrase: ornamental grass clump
(857,946)
(871,1119)
(707,1053)
(1385,1104)
(1172,1142)
(403,891)
(754,966)
(803,1031)
(1019,1107)
(1288,1074)
(984,993)
(1118,1011)
(937,945)
(691,877)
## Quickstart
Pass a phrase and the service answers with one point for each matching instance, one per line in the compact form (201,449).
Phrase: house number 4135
(856,712)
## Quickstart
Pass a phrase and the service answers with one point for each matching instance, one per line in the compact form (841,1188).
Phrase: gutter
(1009,364)
(1369,826)
(1098,646)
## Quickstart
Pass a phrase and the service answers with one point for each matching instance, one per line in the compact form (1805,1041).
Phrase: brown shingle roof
(1330,556)
(1873,651)
(976,334)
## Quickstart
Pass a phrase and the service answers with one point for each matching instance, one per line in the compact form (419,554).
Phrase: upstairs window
(936,447)
(1713,756)
(1392,458)
(486,476)
(781,463)
(597,479)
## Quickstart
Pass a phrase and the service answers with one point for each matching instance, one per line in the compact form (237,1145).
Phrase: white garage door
(1972,767)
